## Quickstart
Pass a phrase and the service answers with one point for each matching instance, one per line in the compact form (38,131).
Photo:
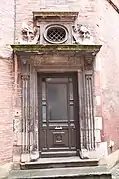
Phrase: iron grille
(56,34)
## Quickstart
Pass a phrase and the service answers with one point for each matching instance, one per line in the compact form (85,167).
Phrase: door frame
(74,76)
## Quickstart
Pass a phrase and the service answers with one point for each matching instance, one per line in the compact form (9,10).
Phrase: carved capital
(25,77)
(88,62)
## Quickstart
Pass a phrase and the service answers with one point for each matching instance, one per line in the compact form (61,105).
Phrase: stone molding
(53,48)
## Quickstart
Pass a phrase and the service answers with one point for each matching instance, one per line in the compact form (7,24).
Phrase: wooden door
(58,115)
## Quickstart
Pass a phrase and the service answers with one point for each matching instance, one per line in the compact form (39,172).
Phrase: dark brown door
(58,115)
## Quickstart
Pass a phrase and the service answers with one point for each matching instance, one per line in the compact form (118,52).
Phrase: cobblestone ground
(115,172)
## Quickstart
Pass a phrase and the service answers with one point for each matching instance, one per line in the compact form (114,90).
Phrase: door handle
(58,128)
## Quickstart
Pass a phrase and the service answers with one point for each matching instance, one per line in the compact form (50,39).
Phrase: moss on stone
(46,48)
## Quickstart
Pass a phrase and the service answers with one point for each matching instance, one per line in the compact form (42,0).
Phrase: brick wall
(6,27)
(6,80)
(6,109)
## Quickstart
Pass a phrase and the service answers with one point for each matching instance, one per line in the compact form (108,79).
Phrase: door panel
(59,138)
(58,119)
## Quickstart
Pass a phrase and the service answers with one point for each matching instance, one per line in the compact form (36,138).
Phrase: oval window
(56,34)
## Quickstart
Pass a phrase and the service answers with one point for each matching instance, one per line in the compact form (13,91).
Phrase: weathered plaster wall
(6,80)
(108,24)
(6,109)
(6,27)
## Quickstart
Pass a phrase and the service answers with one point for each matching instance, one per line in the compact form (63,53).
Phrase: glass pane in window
(71,91)
(71,113)
(43,91)
(57,80)
(70,79)
(57,101)
(44,113)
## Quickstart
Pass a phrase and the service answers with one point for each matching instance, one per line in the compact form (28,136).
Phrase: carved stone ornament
(29,34)
(82,35)
(88,63)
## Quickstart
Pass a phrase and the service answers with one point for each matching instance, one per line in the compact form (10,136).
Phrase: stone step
(98,172)
(63,162)
(58,154)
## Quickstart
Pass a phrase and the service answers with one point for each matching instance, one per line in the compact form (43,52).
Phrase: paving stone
(76,172)
(115,172)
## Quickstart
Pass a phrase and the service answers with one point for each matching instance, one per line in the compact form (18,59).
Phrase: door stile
(47,117)
(80,113)
(68,114)
(39,111)
(75,104)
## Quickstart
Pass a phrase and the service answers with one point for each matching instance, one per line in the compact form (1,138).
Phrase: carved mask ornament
(82,35)
(29,35)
